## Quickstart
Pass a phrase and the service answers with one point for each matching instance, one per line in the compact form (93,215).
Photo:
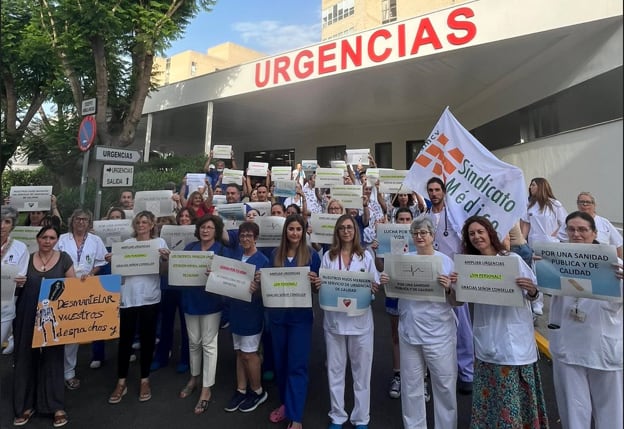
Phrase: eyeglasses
(581,230)
(81,219)
(584,203)
(246,235)
(344,228)
(422,233)
(206,227)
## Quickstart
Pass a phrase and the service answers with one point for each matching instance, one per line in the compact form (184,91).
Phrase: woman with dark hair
(38,380)
(348,336)
(186,216)
(291,328)
(586,345)
(246,324)
(36,218)
(140,298)
(410,200)
(507,382)
(202,312)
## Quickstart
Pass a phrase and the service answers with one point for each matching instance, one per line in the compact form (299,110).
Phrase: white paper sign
(488,280)
(390,181)
(270,230)
(328,177)
(27,235)
(349,195)
(135,258)
(372,176)
(188,268)
(232,177)
(345,291)
(357,156)
(31,198)
(113,231)
(195,182)
(309,164)
(286,287)
(157,202)
(323,225)
(230,277)
(8,274)
(285,188)
(222,151)
(257,168)
(280,173)
(414,277)
(263,207)
(178,236)
(394,238)
(234,211)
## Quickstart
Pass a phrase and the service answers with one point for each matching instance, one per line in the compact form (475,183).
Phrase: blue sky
(271,27)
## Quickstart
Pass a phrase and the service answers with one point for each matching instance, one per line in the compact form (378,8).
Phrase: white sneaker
(95,364)
(10,346)
(395,387)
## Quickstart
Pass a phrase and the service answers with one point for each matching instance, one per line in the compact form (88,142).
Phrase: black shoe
(464,387)
(236,401)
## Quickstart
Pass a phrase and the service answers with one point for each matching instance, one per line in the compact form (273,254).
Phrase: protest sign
(286,287)
(345,291)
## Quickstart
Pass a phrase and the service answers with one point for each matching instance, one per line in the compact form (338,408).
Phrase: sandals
(145,392)
(187,390)
(278,414)
(24,418)
(72,384)
(118,393)
(201,406)
(60,419)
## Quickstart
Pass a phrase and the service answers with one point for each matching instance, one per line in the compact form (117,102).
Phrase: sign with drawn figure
(178,236)
(488,280)
(286,287)
(157,202)
(136,258)
(73,311)
(345,291)
(31,198)
(394,238)
(113,231)
(27,235)
(270,230)
(578,269)
(414,277)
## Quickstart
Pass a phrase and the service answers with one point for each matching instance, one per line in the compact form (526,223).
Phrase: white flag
(477,183)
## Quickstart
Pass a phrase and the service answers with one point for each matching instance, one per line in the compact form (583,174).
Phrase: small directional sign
(106,153)
(117,175)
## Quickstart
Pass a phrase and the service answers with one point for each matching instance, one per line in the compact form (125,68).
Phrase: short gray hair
(8,212)
(423,222)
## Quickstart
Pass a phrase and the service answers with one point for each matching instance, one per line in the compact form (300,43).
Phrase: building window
(193,68)
(412,147)
(326,154)
(388,11)
(341,10)
(383,155)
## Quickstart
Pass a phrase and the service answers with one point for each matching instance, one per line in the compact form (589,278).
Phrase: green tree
(83,49)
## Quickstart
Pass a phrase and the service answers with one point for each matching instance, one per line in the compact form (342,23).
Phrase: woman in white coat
(586,346)
(348,336)
(507,383)
(427,339)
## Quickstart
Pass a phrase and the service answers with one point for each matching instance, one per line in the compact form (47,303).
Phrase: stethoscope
(436,246)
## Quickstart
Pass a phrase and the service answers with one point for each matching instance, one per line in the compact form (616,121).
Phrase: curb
(542,345)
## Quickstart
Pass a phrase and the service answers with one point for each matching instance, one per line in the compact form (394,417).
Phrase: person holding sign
(427,336)
(140,299)
(349,336)
(246,322)
(38,379)
(507,380)
(14,265)
(202,312)
(586,346)
(88,252)
(291,328)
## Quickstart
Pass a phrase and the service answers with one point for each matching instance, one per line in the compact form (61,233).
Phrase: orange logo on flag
(445,161)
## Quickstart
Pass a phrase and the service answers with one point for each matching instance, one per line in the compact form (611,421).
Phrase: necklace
(44,263)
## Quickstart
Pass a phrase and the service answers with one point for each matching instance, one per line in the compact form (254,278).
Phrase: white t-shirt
(92,255)
(16,255)
(544,223)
